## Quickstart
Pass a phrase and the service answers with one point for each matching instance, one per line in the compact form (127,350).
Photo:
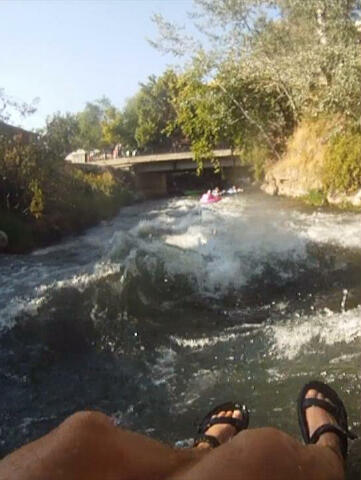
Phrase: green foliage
(112,126)
(156,128)
(97,126)
(148,120)
(20,233)
(24,168)
(311,53)
(130,122)
(61,134)
(50,197)
(199,115)
(316,198)
(90,135)
(274,62)
(342,167)
(37,202)
(256,157)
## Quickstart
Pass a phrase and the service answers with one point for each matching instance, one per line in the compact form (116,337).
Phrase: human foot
(318,416)
(323,419)
(222,431)
(221,424)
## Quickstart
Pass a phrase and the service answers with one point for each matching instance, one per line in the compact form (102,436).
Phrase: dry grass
(303,162)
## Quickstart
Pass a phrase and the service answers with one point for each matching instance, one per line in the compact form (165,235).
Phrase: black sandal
(238,423)
(336,408)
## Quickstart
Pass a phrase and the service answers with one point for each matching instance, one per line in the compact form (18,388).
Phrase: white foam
(82,280)
(163,369)
(343,229)
(200,343)
(296,335)
(18,306)
(347,357)
(216,249)
(219,248)
(30,306)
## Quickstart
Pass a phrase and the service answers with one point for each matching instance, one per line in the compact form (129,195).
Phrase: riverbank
(88,198)
(321,165)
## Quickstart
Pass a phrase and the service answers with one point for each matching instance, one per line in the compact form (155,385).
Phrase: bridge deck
(127,162)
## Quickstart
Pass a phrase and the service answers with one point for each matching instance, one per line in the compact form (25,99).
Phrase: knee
(274,435)
(86,422)
(267,441)
(266,434)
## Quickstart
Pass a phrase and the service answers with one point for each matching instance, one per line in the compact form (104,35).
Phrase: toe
(237,414)
(311,393)
(321,396)
(229,413)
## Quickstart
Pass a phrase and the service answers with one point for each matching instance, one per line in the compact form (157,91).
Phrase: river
(171,308)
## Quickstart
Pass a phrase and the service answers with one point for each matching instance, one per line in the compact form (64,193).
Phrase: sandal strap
(329,428)
(238,423)
(318,402)
(212,441)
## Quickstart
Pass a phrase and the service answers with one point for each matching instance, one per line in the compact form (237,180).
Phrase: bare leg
(268,453)
(88,446)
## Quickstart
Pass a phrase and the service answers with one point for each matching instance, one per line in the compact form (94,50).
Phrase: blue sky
(68,52)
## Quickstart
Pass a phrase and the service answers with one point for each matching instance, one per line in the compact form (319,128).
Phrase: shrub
(50,197)
(37,202)
(256,157)
(316,198)
(342,167)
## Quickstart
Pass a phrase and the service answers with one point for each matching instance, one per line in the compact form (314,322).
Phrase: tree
(149,119)
(61,134)
(112,126)
(273,60)
(9,105)
(90,135)
(130,122)
(199,115)
(156,125)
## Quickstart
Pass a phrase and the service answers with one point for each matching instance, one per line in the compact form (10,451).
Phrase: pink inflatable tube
(206,200)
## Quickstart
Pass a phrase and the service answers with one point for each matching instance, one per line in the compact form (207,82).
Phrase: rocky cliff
(300,171)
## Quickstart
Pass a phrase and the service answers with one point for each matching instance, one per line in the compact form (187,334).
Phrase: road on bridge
(170,161)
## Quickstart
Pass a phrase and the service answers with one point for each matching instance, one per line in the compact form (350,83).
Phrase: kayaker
(207,197)
(216,192)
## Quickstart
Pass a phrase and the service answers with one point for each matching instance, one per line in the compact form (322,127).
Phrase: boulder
(3,240)
(343,198)
(270,185)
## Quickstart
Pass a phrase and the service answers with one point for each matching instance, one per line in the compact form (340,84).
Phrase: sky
(68,52)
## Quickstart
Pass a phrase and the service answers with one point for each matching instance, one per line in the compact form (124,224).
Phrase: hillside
(309,167)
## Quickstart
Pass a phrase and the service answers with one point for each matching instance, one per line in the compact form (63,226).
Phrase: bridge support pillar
(151,184)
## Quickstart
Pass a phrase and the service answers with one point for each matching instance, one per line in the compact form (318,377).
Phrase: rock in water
(3,240)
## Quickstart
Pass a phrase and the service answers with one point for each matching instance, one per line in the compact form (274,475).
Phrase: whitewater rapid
(218,247)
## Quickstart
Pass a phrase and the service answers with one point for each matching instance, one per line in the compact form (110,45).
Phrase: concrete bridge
(151,171)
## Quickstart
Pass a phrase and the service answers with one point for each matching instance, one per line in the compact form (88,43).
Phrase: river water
(171,308)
